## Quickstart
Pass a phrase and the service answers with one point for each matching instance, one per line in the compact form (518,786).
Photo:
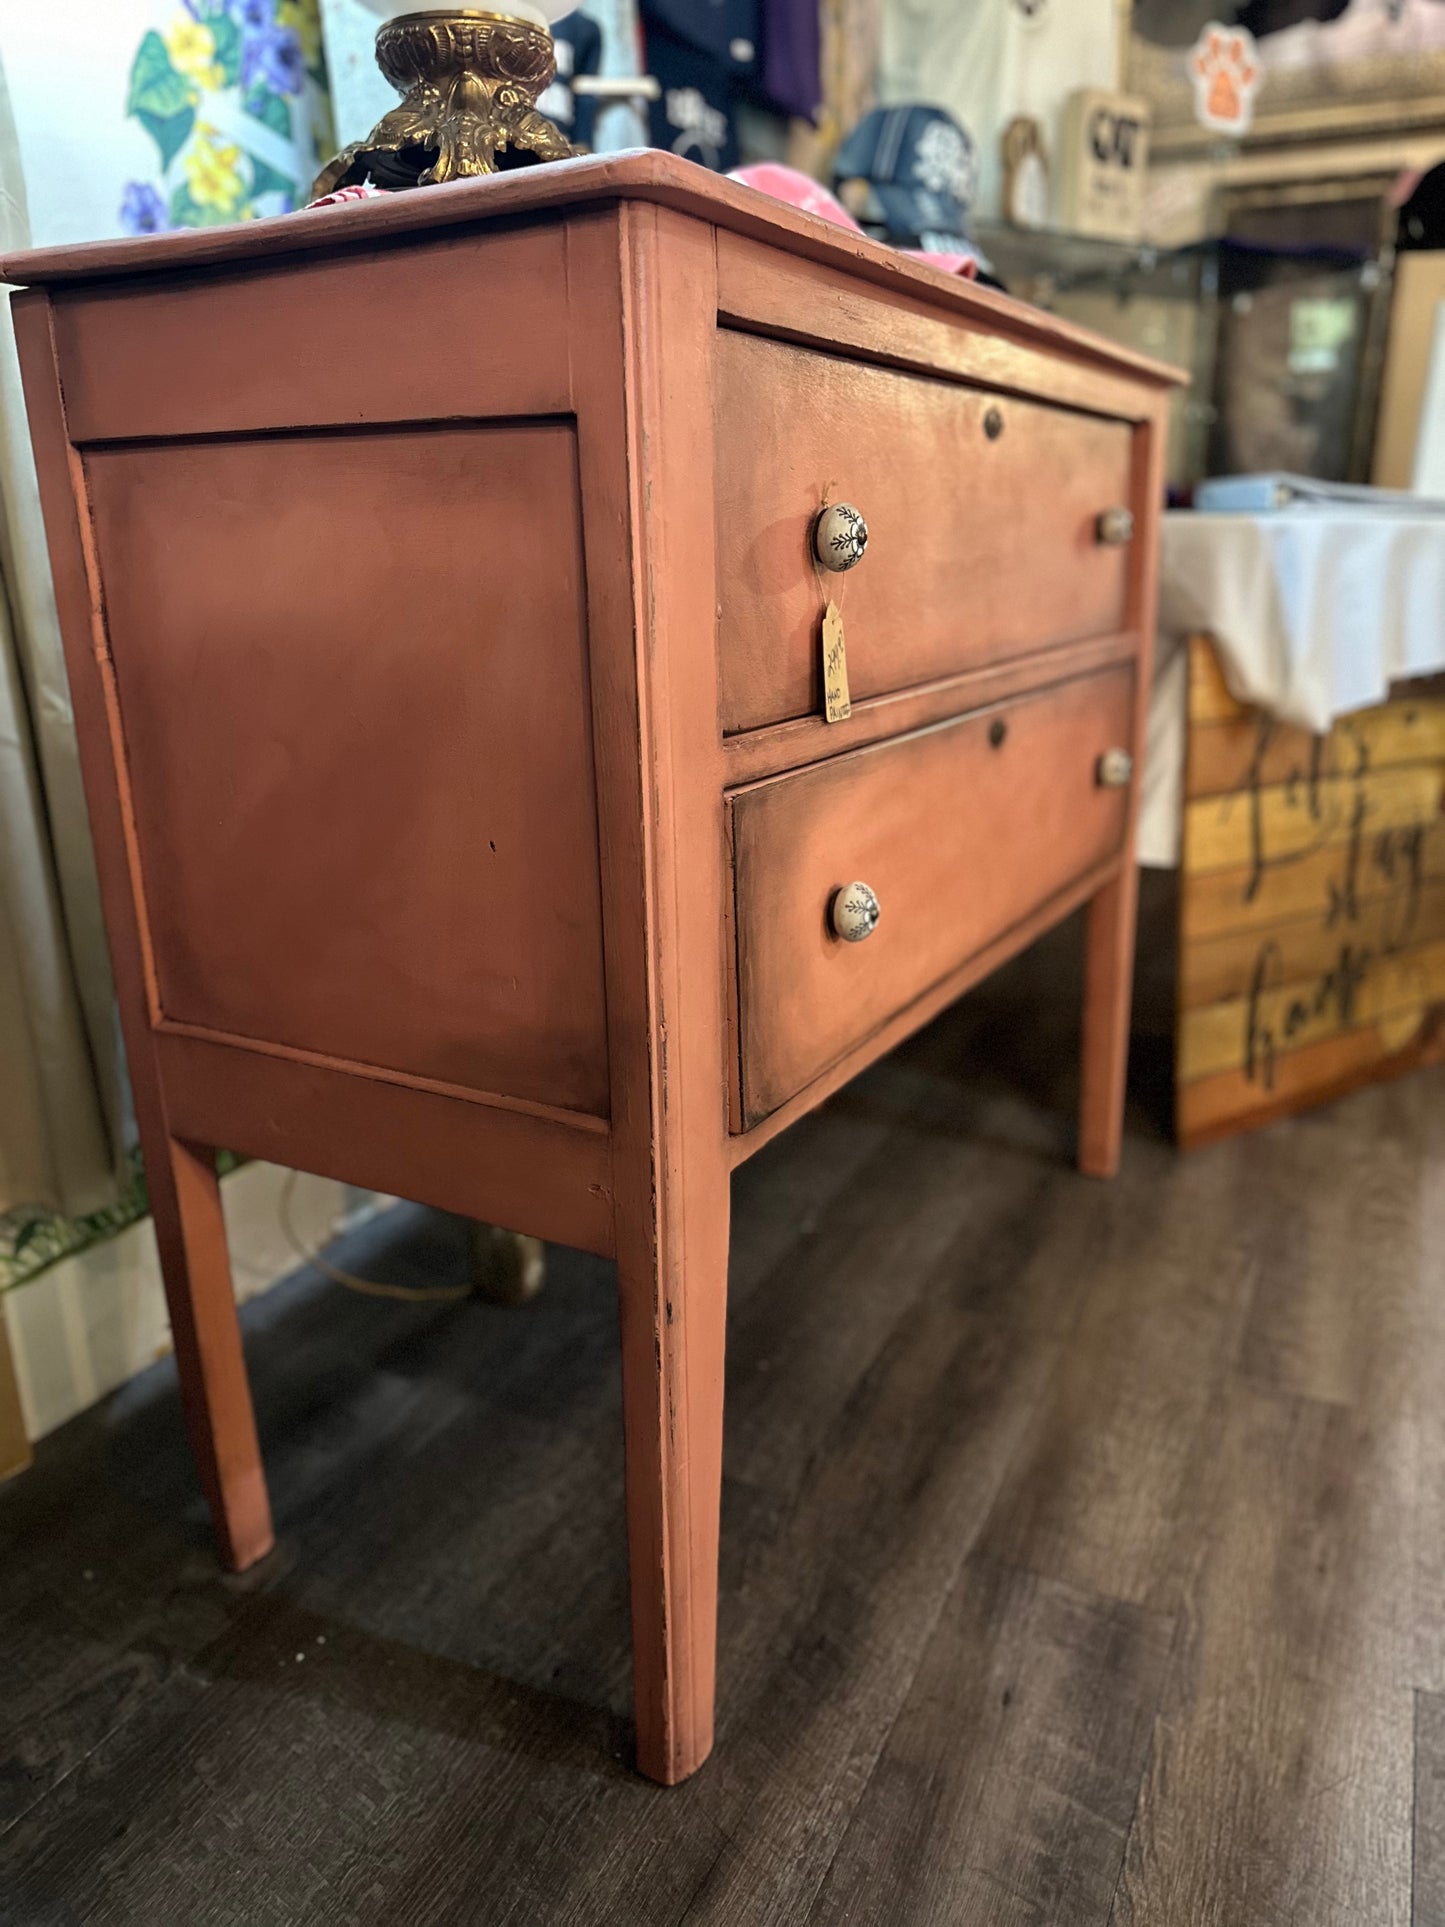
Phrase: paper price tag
(837,707)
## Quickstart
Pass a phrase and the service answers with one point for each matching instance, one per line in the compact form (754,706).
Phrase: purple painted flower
(274,58)
(143,210)
(252,14)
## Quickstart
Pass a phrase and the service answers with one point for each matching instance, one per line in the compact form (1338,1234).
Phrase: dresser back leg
(215,1395)
(1108,997)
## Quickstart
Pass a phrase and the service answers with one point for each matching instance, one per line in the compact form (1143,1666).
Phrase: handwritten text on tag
(836,705)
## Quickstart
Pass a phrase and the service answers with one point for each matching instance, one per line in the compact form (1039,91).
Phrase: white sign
(1226,69)
(1102,161)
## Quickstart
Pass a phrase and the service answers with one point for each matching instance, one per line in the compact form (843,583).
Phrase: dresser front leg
(1108,998)
(190,1232)
(672,1281)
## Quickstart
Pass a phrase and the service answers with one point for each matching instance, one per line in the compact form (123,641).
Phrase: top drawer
(982,511)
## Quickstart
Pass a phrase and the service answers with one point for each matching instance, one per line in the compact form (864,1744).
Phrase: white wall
(91,1322)
(77,146)
(987,60)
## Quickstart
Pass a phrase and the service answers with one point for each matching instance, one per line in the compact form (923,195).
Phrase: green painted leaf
(266,179)
(227,36)
(274,110)
(187,211)
(155,86)
(169,134)
(323,129)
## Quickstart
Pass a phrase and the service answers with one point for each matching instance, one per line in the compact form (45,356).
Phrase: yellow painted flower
(192,48)
(214,172)
(305,17)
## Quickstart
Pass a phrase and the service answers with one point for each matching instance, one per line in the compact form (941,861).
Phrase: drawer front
(961,831)
(983,524)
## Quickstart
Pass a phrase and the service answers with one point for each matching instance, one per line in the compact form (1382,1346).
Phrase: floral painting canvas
(233,95)
(165,113)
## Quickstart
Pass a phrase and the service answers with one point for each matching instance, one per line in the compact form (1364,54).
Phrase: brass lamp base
(470,81)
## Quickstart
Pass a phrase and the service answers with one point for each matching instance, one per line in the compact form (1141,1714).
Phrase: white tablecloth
(1315,612)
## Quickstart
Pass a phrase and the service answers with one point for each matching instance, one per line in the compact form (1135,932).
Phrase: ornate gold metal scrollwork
(470,82)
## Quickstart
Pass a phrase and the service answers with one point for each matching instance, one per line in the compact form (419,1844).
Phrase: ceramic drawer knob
(1116,766)
(1116,527)
(854,913)
(840,535)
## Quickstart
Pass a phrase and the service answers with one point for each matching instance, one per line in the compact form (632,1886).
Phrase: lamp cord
(368,1287)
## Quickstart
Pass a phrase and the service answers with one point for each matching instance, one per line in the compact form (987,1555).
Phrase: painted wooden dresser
(443,596)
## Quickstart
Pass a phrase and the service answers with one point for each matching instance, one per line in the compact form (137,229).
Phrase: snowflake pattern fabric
(944,163)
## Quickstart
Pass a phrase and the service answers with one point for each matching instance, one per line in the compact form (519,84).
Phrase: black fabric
(1264,17)
(1422,218)
(1179,23)
(727,31)
(577,39)
(695,115)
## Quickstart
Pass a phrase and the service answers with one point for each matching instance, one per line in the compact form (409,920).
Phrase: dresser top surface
(644,175)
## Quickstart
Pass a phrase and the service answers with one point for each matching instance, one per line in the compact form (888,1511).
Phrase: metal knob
(1115,527)
(854,913)
(1116,766)
(840,535)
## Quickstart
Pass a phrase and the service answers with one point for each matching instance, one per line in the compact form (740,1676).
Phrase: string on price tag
(837,705)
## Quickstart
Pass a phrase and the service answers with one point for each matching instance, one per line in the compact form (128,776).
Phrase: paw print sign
(1226,70)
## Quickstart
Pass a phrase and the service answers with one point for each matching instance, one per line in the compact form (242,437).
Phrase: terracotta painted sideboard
(448,680)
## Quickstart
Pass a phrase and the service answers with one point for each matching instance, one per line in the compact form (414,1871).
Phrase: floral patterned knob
(854,913)
(1115,769)
(840,535)
(1115,527)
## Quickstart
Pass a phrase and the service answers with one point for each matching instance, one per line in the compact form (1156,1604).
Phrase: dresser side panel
(352,685)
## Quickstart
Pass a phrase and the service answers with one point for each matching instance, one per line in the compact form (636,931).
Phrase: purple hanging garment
(792,76)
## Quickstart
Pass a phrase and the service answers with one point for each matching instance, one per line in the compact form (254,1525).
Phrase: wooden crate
(1312,904)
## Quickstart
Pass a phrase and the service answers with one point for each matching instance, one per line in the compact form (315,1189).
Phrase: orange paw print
(1225,76)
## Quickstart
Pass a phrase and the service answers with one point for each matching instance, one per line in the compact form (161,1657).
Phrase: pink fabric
(797,189)
(963,264)
(362,192)
(801,190)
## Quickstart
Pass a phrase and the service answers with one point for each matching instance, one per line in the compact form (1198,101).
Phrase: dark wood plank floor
(1084,1552)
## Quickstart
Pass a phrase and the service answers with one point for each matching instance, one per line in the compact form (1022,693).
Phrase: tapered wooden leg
(673,1290)
(662,832)
(215,1395)
(1108,996)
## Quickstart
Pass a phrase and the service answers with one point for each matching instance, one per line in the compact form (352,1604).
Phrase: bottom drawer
(961,830)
